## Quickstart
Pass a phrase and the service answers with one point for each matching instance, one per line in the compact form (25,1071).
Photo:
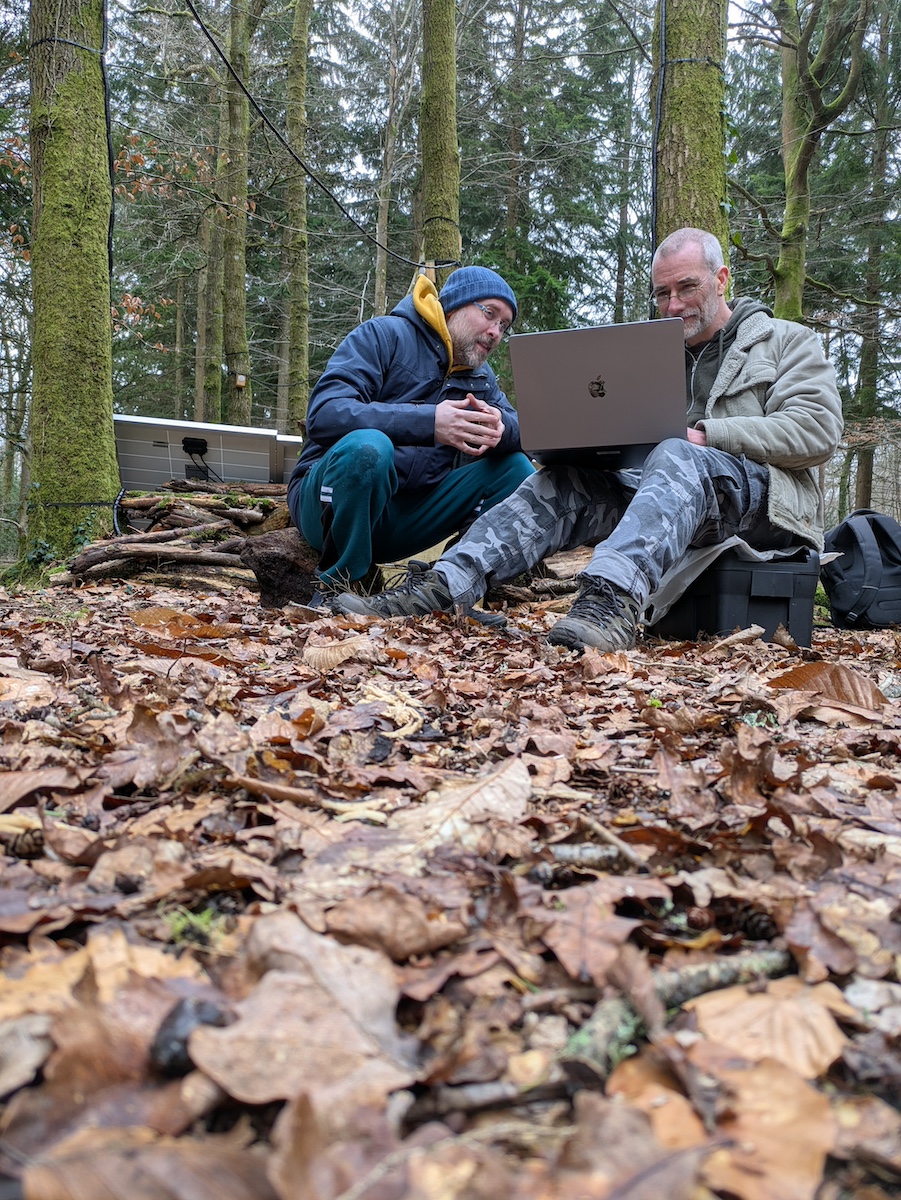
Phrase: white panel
(150,452)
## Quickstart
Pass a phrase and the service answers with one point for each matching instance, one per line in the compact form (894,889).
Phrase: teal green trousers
(348,506)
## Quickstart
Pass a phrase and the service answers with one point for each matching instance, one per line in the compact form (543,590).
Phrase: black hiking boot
(602,616)
(421,593)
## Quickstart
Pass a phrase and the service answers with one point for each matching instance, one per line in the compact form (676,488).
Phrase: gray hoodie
(773,399)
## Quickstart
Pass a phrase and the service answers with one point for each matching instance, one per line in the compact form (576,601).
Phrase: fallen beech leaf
(181,624)
(321,1020)
(24,1046)
(387,919)
(647,1082)
(584,932)
(326,656)
(468,814)
(19,784)
(781,1128)
(869,1130)
(122,1164)
(832,681)
(790,1021)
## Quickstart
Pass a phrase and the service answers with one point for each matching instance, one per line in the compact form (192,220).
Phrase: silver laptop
(602,396)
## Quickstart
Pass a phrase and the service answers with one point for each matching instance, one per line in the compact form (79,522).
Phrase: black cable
(203,465)
(116,504)
(452,262)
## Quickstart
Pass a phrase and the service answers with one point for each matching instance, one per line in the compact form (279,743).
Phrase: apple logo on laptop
(597,388)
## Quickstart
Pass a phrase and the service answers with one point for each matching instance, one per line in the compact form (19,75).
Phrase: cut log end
(284,565)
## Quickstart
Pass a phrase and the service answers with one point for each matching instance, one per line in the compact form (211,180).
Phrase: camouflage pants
(641,522)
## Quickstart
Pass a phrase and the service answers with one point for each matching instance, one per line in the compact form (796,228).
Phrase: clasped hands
(469,425)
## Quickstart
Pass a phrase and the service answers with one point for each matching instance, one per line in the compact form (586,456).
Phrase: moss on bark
(74,472)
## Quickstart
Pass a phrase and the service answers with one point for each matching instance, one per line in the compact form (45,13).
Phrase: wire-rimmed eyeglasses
(685,293)
(503,327)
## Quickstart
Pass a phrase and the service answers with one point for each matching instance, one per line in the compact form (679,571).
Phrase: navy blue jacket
(389,374)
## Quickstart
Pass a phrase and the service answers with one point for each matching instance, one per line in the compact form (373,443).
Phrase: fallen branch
(119,547)
(611,839)
(584,854)
(442,1100)
(606,1036)
(165,553)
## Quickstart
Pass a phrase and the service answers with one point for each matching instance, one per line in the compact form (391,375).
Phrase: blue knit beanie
(467,284)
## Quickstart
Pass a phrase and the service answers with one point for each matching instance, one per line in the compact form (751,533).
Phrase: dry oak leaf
(321,1020)
(790,1021)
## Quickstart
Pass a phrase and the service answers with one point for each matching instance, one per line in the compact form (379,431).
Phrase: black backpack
(864,584)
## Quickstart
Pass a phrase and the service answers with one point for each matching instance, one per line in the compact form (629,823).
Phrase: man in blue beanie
(409,436)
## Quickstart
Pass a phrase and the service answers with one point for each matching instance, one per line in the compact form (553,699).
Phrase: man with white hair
(763,411)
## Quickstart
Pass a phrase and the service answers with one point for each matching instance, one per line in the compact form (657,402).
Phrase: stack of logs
(200,524)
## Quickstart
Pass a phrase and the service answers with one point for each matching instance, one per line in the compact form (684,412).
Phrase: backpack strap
(858,524)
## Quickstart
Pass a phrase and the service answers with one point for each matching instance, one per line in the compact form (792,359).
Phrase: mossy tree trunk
(440,150)
(297,241)
(818,84)
(402,53)
(236,346)
(74,474)
(688,94)
(867,405)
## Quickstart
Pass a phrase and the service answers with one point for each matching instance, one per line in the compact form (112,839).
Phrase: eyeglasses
(684,294)
(503,327)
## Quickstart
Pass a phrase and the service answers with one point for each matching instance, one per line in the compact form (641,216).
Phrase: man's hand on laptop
(698,436)
(469,425)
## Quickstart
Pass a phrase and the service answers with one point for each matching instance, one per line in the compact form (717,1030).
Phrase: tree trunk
(440,152)
(625,209)
(817,87)
(236,347)
(211,364)
(871,315)
(203,297)
(75,477)
(401,57)
(296,244)
(688,102)
(181,399)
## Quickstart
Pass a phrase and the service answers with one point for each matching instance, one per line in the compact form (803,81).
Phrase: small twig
(611,838)
(549,998)
(475,1097)
(280,791)
(584,854)
(604,1038)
